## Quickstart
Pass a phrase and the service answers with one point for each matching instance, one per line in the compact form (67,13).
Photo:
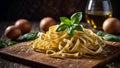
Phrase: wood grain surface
(23,53)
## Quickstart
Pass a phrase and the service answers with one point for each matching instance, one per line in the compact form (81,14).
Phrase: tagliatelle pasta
(60,44)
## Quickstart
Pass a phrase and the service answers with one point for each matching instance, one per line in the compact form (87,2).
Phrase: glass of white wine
(96,12)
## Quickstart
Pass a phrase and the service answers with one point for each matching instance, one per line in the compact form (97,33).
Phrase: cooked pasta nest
(60,44)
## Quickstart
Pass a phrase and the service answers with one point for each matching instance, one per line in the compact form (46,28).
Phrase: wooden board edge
(24,61)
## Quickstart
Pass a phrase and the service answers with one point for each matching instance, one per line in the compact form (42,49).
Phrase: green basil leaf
(70,24)
(100,33)
(12,43)
(76,17)
(65,20)
(27,36)
(77,27)
(35,35)
(61,27)
(70,31)
(110,37)
(30,36)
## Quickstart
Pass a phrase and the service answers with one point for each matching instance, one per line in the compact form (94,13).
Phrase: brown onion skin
(24,25)
(12,32)
(46,22)
(111,26)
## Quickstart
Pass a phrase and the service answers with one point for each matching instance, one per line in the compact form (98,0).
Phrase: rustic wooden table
(9,64)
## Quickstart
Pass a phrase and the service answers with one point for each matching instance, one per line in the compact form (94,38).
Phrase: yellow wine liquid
(96,19)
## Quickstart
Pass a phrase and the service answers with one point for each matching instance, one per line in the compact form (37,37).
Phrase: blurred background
(34,10)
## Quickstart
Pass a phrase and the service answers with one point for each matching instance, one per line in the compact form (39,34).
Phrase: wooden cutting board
(24,54)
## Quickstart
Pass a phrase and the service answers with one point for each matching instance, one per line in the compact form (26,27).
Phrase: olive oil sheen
(96,19)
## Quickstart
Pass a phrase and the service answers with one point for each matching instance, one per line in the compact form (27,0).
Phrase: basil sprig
(111,37)
(70,24)
(108,37)
(4,42)
(30,36)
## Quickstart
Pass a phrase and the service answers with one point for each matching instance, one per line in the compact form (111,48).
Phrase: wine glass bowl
(96,12)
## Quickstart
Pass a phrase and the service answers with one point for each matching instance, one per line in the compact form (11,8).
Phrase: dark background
(34,10)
